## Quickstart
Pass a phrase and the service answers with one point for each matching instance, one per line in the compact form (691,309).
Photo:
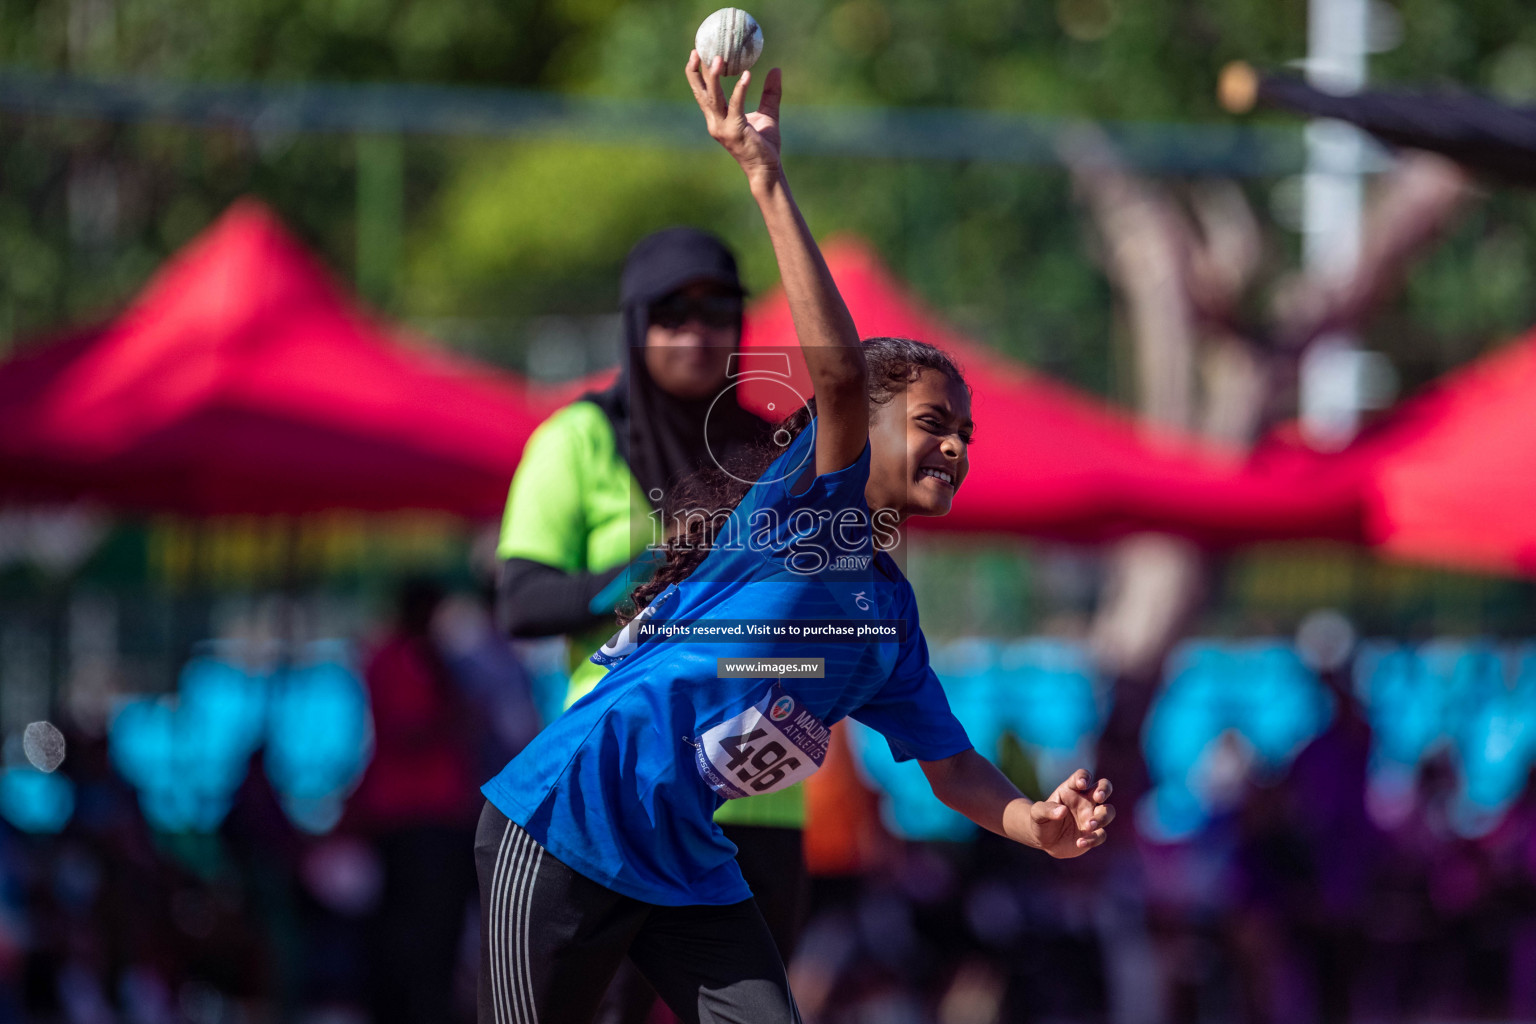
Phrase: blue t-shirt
(623,787)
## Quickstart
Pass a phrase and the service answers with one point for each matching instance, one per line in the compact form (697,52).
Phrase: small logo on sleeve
(625,640)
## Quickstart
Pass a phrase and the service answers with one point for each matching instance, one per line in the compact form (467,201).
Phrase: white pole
(1333,203)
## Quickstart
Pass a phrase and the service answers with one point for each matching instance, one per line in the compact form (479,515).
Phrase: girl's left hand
(1071,821)
(752,139)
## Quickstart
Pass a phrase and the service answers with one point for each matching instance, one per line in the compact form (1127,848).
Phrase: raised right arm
(827,335)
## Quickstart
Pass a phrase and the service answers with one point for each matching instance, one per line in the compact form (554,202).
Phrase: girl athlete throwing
(598,839)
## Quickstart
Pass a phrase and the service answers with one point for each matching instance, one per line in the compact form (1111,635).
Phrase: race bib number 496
(772,745)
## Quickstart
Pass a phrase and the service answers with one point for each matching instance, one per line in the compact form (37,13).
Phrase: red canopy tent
(1448,476)
(1052,462)
(241,381)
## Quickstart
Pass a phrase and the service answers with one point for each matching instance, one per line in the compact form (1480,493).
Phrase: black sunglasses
(711,311)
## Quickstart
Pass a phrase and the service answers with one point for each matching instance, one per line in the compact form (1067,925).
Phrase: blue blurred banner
(1229,714)
(1233,713)
(187,754)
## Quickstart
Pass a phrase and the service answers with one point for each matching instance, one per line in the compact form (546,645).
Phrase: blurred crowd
(1293,903)
(165,898)
(1314,891)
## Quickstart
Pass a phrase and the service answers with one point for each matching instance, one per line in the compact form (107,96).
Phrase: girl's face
(918,443)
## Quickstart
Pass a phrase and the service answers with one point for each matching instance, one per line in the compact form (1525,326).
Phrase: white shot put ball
(733,34)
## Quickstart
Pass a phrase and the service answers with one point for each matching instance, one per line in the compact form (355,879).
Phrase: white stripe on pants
(517,869)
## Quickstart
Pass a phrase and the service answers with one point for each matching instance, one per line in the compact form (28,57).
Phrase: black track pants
(550,940)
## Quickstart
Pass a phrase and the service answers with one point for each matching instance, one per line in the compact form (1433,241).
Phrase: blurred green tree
(500,232)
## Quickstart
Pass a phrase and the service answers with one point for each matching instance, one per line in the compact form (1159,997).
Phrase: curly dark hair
(891,365)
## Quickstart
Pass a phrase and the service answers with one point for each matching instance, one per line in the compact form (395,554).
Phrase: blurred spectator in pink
(417,803)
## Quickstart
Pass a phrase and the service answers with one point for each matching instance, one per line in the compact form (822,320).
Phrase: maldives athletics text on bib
(770,746)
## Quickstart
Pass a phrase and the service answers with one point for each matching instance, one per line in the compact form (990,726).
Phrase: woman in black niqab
(662,435)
